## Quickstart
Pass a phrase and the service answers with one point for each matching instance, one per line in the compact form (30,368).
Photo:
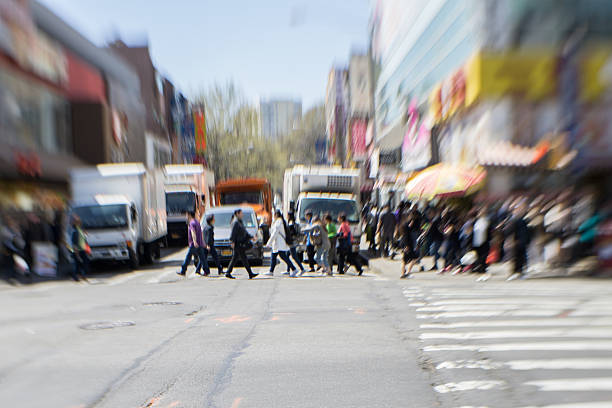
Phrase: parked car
(223,217)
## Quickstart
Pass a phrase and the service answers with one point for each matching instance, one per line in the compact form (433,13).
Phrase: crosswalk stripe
(481,385)
(526,365)
(504,334)
(491,313)
(574,384)
(504,301)
(598,404)
(539,346)
(118,280)
(568,321)
(556,322)
(462,308)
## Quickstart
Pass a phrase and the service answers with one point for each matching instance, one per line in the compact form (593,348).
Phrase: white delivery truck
(188,187)
(324,190)
(122,208)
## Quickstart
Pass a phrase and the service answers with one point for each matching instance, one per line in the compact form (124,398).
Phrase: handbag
(493,256)
(316,237)
(469,258)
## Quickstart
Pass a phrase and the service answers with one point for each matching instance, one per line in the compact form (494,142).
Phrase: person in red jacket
(345,246)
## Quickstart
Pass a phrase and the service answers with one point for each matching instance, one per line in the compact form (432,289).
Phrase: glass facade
(32,116)
(445,43)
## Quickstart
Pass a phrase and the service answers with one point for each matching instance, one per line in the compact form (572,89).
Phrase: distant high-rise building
(278,117)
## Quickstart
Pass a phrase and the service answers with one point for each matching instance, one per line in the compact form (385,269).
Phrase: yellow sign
(529,74)
(595,72)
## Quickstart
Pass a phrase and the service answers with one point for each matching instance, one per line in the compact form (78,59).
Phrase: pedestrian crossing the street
(516,347)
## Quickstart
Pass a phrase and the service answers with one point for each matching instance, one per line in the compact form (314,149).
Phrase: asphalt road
(150,338)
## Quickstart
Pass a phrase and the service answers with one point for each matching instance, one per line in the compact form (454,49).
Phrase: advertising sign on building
(45,256)
(200,131)
(374,163)
(358,139)
(416,149)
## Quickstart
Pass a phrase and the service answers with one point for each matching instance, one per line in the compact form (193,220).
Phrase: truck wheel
(134,259)
(148,253)
(157,250)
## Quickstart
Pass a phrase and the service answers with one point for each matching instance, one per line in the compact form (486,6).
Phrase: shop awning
(30,165)
(511,155)
(445,180)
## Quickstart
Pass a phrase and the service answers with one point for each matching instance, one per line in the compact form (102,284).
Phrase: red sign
(199,124)
(28,165)
(358,139)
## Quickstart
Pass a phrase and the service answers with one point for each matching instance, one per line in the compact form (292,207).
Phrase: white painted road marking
(521,323)
(468,386)
(562,364)
(540,346)
(468,308)
(525,365)
(598,404)
(491,313)
(503,334)
(124,278)
(574,384)
(506,301)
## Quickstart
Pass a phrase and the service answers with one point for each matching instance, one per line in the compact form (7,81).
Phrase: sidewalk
(500,271)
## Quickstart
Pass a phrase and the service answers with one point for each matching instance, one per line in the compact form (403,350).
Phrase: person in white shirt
(481,240)
(279,243)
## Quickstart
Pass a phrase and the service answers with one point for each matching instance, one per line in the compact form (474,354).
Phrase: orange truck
(254,192)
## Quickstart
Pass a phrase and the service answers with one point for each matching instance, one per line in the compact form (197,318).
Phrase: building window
(32,116)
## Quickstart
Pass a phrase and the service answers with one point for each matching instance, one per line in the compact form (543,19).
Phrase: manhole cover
(105,325)
(162,303)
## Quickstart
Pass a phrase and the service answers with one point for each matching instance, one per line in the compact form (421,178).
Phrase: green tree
(235,147)
(300,144)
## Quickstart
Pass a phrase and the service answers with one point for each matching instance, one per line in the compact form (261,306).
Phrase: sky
(270,48)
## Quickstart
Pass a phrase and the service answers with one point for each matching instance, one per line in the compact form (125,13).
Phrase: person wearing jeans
(318,233)
(294,233)
(240,239)
(278,243)
(310,248)
(208,233)
(196,245)
(345,247)
(79,250)
(332,232)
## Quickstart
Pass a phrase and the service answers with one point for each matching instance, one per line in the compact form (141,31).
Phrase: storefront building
(34,115)
(519,87)
(108,116)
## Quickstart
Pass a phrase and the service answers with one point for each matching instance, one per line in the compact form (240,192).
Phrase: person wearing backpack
(332,234)
(345,246)
(318,238)
(279,243)
(294,237)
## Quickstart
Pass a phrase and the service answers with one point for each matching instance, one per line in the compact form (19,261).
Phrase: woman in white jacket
(278,243)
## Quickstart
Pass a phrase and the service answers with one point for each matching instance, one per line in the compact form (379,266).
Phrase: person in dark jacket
(241,240)
(386,229)
(79,250)
(435,236)
(520,235)
(345,247)
(196,246)
(208,232)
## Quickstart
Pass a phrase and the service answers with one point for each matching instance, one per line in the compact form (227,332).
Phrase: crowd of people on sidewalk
(529,231)
(325,241)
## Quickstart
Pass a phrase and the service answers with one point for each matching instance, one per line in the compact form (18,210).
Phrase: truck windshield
(240,197)
(103,216)
(180,202)
(334,207)
(223,219)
